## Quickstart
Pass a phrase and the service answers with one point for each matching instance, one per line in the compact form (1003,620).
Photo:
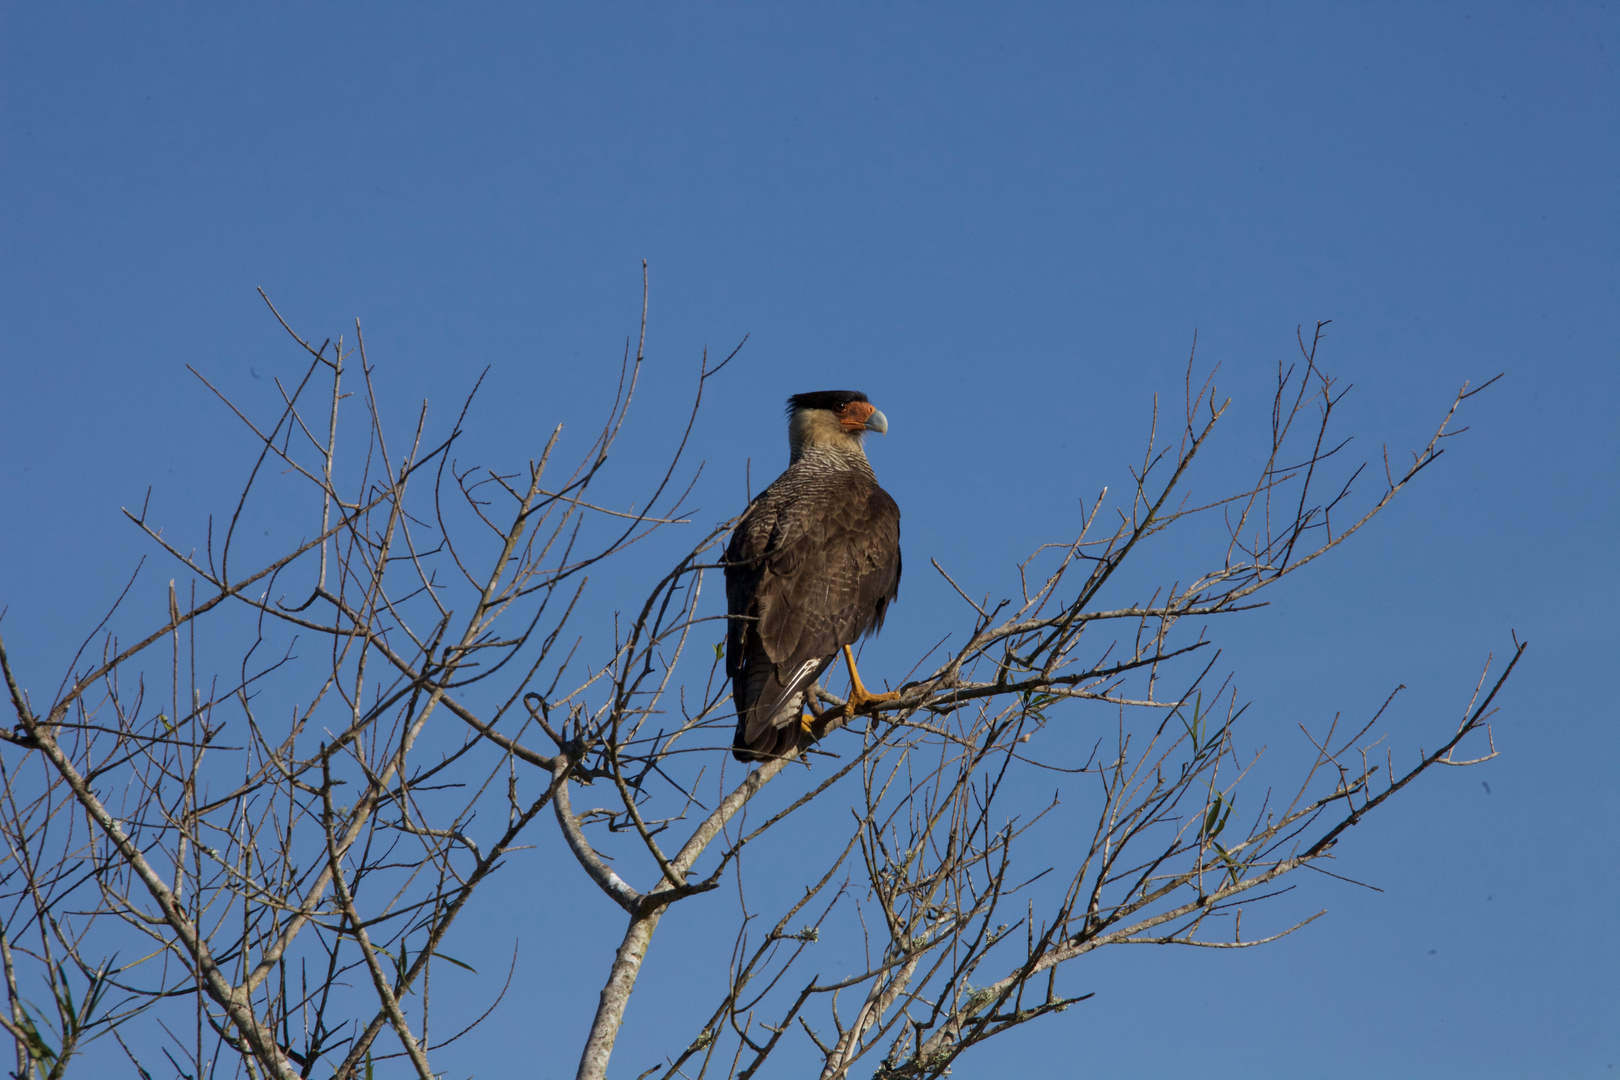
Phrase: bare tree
(256,823)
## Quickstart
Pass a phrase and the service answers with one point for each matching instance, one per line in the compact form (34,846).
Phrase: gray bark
(593,1062)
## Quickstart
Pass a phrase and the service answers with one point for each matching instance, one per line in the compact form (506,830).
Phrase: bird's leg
(813,703)
(858,696)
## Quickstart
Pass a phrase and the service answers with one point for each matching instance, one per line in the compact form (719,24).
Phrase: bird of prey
(812,565)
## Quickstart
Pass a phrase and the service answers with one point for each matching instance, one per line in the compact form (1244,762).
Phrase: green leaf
(38,1050)
(456,962)
(1195,730)
(1234,869)
(1215,818)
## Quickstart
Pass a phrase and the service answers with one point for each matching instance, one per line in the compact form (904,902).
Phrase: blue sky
(1006,227)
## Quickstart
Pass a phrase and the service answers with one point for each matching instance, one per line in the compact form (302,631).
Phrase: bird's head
(833,418)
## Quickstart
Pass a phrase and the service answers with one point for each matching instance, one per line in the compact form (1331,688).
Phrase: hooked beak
(877,422)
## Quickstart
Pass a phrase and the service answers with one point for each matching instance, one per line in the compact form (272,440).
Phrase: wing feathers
(812,566)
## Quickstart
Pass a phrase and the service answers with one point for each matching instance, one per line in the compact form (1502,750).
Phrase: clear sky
(1005,226)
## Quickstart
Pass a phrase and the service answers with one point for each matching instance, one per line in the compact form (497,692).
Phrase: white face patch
(819,427)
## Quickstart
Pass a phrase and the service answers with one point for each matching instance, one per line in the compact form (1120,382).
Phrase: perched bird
(812,566)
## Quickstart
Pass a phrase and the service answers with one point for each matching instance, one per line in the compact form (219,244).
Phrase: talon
(859,698)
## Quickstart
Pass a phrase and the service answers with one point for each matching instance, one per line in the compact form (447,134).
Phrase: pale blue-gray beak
(877,422)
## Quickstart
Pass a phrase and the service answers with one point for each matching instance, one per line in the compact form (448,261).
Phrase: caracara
(812,565)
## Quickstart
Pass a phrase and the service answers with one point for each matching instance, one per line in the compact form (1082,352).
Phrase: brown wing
(808,573)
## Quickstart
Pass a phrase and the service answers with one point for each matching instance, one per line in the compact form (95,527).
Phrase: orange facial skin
(853,417)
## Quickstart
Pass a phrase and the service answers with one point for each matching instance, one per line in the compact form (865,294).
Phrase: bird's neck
(821,455)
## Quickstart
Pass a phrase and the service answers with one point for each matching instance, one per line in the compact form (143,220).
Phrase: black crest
(832,400)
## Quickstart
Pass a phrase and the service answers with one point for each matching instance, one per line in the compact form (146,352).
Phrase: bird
(812,565)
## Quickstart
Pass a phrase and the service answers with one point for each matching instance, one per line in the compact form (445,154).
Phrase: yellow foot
(805,722)
(859,699)
(859,703)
